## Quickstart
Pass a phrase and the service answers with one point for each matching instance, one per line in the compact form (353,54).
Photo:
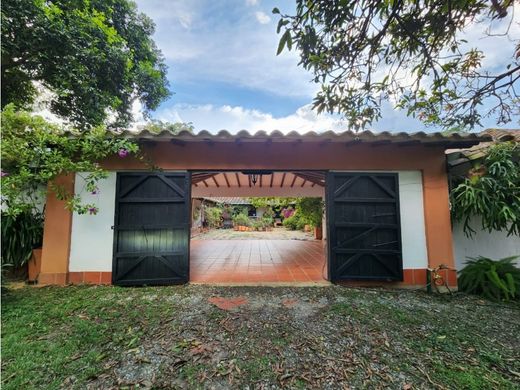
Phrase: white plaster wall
(413,233)
(495,245)
(92,237)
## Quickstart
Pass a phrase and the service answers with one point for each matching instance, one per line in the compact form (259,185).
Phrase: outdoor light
(254,178)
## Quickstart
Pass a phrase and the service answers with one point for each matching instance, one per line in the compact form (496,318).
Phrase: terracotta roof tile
(453,140)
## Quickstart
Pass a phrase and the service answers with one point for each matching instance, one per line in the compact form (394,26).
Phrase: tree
(35,152)
(410,52)
(94,56)
(491,190)
(157,126)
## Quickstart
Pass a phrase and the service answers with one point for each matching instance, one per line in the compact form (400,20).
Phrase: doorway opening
(254,227)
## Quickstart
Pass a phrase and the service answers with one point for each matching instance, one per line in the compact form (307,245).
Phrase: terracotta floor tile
(249,261)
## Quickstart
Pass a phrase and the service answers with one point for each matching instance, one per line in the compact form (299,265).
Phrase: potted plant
(241,221)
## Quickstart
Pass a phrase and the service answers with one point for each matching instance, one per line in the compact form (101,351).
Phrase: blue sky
(224,72)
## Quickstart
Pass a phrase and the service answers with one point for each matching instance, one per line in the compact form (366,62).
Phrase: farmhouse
(386,217)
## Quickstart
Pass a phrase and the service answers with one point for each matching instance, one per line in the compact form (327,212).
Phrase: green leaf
(283,41)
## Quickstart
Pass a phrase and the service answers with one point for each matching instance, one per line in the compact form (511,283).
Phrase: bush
(213,216)
(310,210)
(294,222)
(493,279)
(241,220)
(20,235)
(267,221)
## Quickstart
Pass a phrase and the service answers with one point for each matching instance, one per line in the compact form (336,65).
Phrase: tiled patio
(257,261)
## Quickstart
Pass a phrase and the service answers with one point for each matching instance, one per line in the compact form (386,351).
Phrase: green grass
(57,337)
(50,333)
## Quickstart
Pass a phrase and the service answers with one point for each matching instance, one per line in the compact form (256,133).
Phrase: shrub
(294,222)
(310,210)
(287,212)
(267,220)
(493,279)
(241,220)
(21,233)
(213,216)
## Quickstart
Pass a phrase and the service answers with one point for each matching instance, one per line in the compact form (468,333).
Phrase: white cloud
(236,118)
(225,47)
(262,17)
(252,2)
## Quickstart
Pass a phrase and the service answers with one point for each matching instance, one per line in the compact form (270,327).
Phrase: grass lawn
(233,337)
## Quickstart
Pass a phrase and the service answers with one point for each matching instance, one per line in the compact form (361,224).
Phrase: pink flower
(95,191)
(2,173)
(93,210)
(122,153)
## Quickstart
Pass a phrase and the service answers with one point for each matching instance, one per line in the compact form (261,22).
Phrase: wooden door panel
(364,226)
(152,228)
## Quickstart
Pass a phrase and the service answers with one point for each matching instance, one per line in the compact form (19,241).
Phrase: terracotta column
(56,236)
(437,218)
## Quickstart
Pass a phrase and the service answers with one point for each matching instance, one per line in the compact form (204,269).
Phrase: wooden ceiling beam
(238,179)
(283,179)
(261,181)
(293,180)
(320,182)
(226,179)
(215,181)
(272,178)
(206,184)
(249,180)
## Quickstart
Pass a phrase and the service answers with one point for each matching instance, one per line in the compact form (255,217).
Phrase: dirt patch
(259,338)
(228,303)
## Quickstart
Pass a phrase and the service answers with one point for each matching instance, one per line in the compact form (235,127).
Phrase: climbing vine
(35,152)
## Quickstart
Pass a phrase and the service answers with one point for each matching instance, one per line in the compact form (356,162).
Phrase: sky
(224,72)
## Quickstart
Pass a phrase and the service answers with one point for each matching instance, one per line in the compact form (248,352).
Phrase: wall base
(411,278)
(93,277)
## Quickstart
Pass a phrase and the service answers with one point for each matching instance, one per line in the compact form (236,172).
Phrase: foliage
(409,52)
(494,279)
(156,127)
(287,212)
(491,191)
(273,202)
(21,233)
(239,209)
(267,220)
(295,222)
(311,210)
(241,220)
(213,216)
(268,213)
(94,56)
(35,152)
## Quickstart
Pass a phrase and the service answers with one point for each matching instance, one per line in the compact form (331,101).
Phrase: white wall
(495,245)
(413,233)
(92,236)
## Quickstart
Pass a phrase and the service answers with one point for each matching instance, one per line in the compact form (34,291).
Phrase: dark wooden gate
(364,226)
(152,228)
